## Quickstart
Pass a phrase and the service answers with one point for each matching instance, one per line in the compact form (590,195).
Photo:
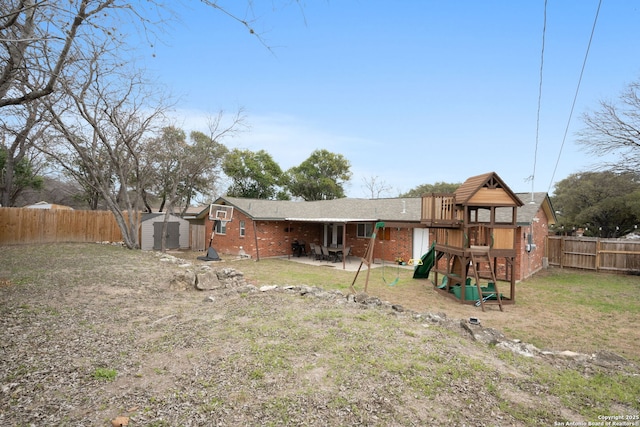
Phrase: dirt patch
(90,333)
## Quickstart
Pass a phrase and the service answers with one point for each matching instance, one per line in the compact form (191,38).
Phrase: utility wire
(535,152)
(575,97)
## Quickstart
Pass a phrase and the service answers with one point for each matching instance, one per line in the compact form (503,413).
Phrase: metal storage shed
(151,232)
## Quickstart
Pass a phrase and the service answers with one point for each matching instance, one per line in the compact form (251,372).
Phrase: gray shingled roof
(528,211)
(406,209)
(525,213)
(337,210)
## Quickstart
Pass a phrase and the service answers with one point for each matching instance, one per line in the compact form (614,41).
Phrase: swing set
(368,260)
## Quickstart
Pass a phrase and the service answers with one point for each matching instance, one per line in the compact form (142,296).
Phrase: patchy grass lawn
(91,332)
(556,309)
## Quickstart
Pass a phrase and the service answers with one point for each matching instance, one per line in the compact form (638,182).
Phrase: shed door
(173,235)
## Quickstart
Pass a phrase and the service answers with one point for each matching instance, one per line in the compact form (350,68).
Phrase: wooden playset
(475,239)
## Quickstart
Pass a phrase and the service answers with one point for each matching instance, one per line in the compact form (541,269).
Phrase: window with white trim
(364,229)
(221,227)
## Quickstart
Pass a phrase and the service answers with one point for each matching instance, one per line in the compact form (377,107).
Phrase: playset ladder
(486,297)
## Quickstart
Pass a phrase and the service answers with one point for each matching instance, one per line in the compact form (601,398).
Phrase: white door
(420,242)
(333,234)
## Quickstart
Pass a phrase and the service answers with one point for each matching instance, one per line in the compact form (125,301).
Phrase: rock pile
(229,280)
(205,278)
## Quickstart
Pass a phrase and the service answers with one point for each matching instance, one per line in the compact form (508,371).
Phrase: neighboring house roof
(196,212)
(337,210)
(532,202)
(45,205)
(526,213)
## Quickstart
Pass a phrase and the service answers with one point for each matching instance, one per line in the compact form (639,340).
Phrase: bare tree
(41,43)
(44,36)
(44,42)
(207,153)
(39,36)
(375,187)
(55,189)
(101,126)
(615,129)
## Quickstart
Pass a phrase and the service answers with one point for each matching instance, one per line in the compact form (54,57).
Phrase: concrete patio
(351,263)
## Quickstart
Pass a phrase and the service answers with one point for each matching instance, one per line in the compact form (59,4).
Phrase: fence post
(597,254)
(562,251)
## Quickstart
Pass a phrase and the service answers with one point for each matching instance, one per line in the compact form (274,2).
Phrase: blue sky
(410,92)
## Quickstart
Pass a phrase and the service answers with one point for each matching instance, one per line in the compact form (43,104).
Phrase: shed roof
(159,216)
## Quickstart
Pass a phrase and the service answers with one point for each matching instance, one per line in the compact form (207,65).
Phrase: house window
(365,229)
(221,227)
(242,229)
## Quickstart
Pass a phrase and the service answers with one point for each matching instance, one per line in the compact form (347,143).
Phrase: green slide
(428,261)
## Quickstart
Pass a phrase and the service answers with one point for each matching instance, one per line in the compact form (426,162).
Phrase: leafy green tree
(605,204)
(320,177)
(167,153)
(183,167)
(206,156)
(438,187)
(24,176)
(254,174)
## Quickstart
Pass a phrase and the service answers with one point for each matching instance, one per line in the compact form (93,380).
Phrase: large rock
(231,278)
(484,335)
(182,280)
(208,280)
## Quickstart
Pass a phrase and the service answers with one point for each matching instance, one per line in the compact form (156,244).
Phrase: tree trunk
(7,182)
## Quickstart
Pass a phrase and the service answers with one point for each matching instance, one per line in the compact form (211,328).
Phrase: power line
(575,97)
(535,153)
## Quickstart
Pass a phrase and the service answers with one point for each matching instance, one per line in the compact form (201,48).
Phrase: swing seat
(445,279)
(394,281)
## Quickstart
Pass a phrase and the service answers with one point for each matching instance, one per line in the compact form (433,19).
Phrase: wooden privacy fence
(594,253)
(24,225)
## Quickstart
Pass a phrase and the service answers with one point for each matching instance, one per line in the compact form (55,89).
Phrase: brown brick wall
(274,238)
(528,263)
(390,243)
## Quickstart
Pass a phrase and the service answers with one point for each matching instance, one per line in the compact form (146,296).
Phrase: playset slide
(428,261)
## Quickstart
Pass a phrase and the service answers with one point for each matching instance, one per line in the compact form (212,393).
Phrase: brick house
(533,219)
(268,228)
